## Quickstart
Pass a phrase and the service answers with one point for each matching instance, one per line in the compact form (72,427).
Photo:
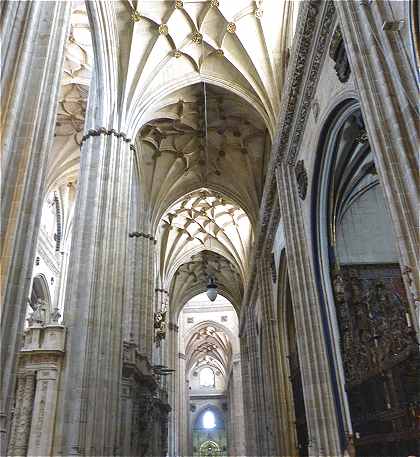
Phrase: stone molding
(104,131)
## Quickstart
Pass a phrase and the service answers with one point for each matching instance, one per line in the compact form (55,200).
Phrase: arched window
(209,420)
(206,377)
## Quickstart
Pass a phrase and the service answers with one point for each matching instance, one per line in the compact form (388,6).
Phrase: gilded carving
(163,29)
(231,27)
(197,37)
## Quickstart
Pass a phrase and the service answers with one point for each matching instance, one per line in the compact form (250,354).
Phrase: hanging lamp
(211,289)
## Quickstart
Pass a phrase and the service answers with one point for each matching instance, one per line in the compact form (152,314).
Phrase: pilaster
(323,428)
(277,418)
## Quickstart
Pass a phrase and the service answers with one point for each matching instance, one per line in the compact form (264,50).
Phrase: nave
(209,228)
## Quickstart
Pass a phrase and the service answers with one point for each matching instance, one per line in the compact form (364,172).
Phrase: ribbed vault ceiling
(204,221)
(240,43)
(209,346)
(191,279)
(203,136)
(165,45)
(197,84)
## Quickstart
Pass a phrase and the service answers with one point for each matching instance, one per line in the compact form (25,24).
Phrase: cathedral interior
(210,228)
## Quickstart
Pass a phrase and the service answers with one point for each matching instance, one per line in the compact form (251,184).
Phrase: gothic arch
(356,269)
(40,290)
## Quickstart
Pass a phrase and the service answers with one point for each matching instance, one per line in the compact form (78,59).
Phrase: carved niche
(338,53)
(301,179)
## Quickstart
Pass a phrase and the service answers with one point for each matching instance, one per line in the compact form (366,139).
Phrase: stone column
(323,428)
(33,35)
(276,418)
(237,407)
(387,85)
(95,293)
(173,388)
(256,388)
(43,417)
(140,290)
(250,416)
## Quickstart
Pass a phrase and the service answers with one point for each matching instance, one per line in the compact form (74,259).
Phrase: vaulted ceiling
(198,86)
(208,345)
(203,136)
(204,233)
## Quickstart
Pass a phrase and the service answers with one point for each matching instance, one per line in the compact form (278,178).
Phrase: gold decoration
(177,53)
(135,16)
(163,29)
(179,4)
(220,52)
(231,27)
(214,3)
(197,37)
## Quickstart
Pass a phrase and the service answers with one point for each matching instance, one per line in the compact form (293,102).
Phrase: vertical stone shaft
(43,417)
(388,91)
(316,379)
(23,422)
(277,419)
(95,296)
(33,36)
(20,389)
(250,416)
(257,390)
(237,409)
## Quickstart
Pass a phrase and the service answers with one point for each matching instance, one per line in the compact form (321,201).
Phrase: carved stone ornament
(179,4)
(362,138)
(231,27)
(339,55)
(301,179)
(197,37)
(159,326)
(315,109)
(163,29)
(55,316)
(214,3)
(135,16)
